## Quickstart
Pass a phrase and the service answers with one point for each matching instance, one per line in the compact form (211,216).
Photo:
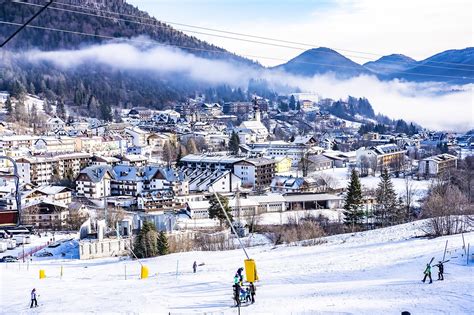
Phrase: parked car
(44,254)
(8,259)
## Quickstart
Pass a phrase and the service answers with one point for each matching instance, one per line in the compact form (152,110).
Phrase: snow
(342,178)
(372,272)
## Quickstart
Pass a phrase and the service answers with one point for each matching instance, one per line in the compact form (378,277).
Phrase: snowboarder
(33,298)
(440,270)
(252,292)
(239,274)
(427,273)
(194,267)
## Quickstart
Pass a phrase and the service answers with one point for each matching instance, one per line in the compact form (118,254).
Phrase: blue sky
(418,28)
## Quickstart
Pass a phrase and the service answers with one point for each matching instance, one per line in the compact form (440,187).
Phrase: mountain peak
(320,61)
(393,63)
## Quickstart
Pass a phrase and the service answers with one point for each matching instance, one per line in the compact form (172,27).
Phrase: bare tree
(445,208)
(364,165)
(409,192)
(373,164)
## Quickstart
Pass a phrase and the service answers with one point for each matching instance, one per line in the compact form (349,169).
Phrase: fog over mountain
(144,67)
(427,103)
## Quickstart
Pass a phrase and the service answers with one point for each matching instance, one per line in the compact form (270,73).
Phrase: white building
(94,182)
(55,123)
(437,165)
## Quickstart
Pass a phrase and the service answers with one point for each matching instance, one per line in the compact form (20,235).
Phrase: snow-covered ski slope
(375,272)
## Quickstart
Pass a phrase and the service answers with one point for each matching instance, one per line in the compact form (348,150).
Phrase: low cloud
(429,104)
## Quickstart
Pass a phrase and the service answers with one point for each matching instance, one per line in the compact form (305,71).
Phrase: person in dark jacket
(194,267)
(239,274)
(33,298)
(427,273)
(252,292)
(236,287)
(440,270)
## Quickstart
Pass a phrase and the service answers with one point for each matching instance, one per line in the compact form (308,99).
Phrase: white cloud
(419,102)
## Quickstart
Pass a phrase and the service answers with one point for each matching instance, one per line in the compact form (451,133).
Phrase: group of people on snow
(427,272)
(242,294)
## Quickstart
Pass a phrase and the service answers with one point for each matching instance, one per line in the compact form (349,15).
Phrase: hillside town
(163,165)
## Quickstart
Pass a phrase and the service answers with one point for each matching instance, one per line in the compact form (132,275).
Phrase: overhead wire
(207,50)
(233,33)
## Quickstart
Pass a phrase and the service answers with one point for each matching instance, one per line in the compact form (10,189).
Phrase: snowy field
(341,178)
(374,272)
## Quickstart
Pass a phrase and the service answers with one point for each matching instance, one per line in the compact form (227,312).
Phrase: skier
(33,298)
(252,292)
(427,273)
(440,270)
(194,267)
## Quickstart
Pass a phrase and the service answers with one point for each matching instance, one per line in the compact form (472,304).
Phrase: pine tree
(215,210)
(105,112)
(9,107)
(20,111)
(353,202)
(234,143)
(163,247)
(61,110)
(387,206)
(283,106)
(33,115)
(47,107)
(298,106)
(146,243)
(292,102)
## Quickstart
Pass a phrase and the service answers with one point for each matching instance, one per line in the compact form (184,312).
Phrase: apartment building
(44,170)
(437,165)
(388,156)
(255,172)
(94,182)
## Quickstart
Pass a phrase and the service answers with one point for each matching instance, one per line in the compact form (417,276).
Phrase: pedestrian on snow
(239,274)
(427,273)
(236,287)
(252,292)
(247,295)
(440,270)
(33,298)
(195,267)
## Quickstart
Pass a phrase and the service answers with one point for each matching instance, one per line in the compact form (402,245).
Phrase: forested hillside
(92,86)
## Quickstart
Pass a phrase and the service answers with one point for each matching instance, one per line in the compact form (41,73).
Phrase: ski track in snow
(372,272)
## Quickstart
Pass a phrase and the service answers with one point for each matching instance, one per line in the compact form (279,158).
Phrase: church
(252,131)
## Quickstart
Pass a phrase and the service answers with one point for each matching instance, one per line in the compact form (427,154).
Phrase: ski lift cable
(230,222)
(242,39)
(233,33)
(209,50)
(26,23)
